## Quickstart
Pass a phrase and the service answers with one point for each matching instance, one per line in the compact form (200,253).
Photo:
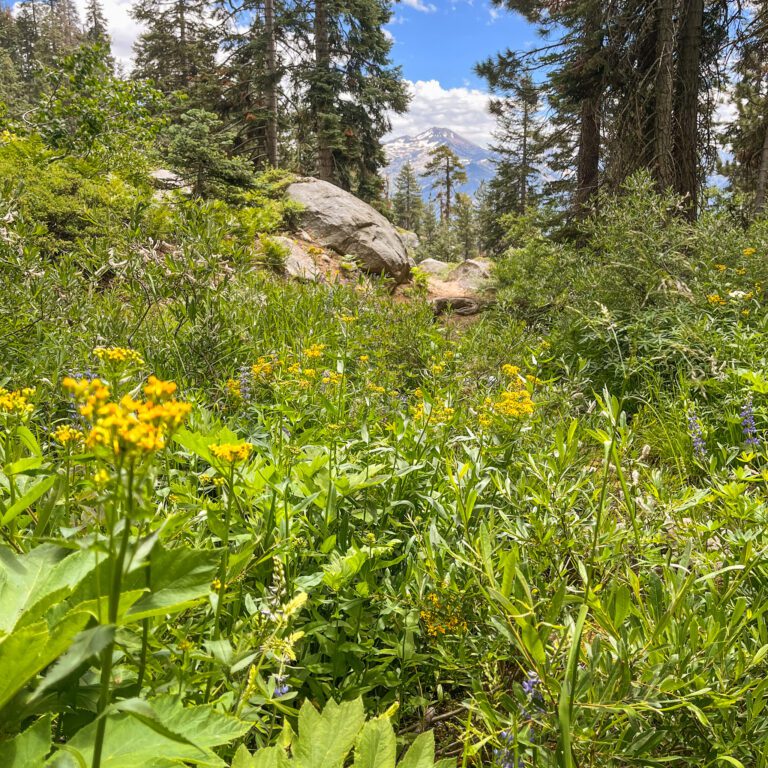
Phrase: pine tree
(446,171)
(177,50)
(351,88)
(96,24)
(407,204)
(464,226)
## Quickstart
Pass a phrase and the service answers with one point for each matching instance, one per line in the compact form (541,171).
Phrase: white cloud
(420,5)
(464,110)
(122,28)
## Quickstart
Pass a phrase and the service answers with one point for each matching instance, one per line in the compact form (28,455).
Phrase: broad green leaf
(376,746)
(325,739)
(421,754)
(342,569)
(28,749)
(86,645)
(27,651)
(33,493)
(178,578)
(32,582)
(131,742)
(269,757)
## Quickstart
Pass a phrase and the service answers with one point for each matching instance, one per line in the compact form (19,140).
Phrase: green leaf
(32,582)
(28,499)
(325,739)
(27,651)
(178,579)
(86,645)
(269,757)
(421,753)
(161,734)
(376,746)
(28,749)
(567,692)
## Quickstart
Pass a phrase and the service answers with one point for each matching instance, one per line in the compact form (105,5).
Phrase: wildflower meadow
(252,522)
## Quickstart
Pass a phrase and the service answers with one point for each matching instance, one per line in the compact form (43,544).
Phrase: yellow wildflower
(65,435)
(375,388)
(315,351)
(118,355)
(16,402)
(101,478)
(233,389)
(231,453)
(749,251)
(716,300)
(262,368)
(510,370)
(720,267)
(364,358)
(156,389)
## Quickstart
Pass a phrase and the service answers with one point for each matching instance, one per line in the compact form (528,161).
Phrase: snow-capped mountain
(415,150)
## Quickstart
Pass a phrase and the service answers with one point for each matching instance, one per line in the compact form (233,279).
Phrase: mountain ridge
(415,150)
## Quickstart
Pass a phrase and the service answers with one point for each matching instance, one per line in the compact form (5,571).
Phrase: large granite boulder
(338,220)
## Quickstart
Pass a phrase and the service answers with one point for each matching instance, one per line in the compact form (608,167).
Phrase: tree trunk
(588,159)
(447,191)
(322,65)
(663,160)
(523,191)
(762,175)
(270,138)
(183,60)
(687,107)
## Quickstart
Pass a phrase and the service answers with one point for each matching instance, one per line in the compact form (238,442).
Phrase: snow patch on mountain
(415,150)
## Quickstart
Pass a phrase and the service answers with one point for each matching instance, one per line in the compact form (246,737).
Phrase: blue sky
(437,43)
(443,40)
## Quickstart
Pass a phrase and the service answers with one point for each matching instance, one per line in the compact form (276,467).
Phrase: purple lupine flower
(245,380)
(697,436)
(748,428)
(531,685)
(281,687)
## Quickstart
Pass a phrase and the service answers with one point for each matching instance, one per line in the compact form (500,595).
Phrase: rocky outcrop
(338,220)
(460,289)
(300,263)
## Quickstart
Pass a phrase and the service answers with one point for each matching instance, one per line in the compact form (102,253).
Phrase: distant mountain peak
(415,150)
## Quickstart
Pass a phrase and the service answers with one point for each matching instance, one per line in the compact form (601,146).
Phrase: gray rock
(411,239)
(472,273)
(300,263)
(436,268)
(166,179)
(459,305)
(335,219)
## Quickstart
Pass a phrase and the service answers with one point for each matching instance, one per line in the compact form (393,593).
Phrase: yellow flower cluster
(231,453)
(720,267)
(233,389)
(315,351)
(66,435)
(118,355)
(16,402)
(440,619)
(6,137)
(375,388)
(749,251)
(262,368)
(331,377)
(128,427)
(513,403)
(716,300)
(438,414)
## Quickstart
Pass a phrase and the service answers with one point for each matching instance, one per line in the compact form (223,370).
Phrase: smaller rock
(472,273)
(300,263)
(435,267)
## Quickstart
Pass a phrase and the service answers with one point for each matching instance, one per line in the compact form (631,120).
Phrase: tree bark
(762,175)
(270,139)
(322,65)
(687,107)
(588,159)
(663,161)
